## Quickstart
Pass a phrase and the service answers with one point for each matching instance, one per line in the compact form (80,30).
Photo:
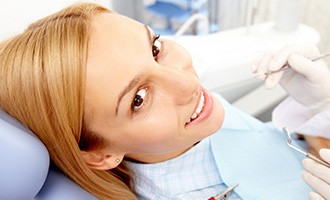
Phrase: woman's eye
(138,99)
(156,47)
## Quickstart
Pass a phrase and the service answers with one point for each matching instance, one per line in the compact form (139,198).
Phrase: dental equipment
(308,155)
(286,66)
(224,194)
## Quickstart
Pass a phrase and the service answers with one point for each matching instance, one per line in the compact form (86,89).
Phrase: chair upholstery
(25,171)
(24,161)
(59,187)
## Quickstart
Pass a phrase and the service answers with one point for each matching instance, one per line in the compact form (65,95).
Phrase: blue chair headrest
(25,171)
(24,161)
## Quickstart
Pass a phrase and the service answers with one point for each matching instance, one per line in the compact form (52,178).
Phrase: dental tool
(308,155)
(286,66)
(224,194)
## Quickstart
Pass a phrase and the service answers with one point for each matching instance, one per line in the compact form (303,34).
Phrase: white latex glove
(318,176)
(306,81)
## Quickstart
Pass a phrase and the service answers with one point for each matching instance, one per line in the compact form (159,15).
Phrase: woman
(113,102)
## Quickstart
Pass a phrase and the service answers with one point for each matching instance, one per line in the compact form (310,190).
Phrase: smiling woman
(119,108)
(144,91)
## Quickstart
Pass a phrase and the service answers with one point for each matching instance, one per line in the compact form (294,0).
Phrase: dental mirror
(308,155)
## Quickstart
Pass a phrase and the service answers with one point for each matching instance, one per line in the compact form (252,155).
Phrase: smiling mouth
(198,109)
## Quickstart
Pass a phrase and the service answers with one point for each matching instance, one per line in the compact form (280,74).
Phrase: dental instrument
(224,194)
(286,66)
(308,155)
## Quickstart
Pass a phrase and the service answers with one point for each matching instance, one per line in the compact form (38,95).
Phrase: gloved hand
(306,81)
(318,176)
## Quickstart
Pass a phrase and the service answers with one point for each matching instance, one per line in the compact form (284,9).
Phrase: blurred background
(167,15)
(236,33)
(315,13)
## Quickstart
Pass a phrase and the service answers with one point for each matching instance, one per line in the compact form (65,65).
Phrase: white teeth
(194,115)
(199,108)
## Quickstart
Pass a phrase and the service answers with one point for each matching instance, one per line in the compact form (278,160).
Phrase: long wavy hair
(42,85)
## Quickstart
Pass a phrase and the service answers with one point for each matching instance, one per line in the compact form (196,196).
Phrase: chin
(217,117)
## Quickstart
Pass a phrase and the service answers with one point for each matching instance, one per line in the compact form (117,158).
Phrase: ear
(101,161)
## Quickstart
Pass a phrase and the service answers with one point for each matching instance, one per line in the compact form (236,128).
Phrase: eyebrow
(149,34)
(126,90)
(135,80)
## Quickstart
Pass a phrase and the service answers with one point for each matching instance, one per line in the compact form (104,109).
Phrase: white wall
(16,15)
(316,13)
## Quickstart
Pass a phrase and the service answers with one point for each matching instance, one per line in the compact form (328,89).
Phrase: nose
(180,85)
(176,75)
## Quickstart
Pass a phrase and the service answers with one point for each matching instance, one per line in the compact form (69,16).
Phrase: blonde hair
(42,84)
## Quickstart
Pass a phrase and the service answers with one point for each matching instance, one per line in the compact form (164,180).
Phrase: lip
(207,109)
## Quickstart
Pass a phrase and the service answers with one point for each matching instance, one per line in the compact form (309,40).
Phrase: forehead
(112,26)
(118,47)
(114,21)
(114,36)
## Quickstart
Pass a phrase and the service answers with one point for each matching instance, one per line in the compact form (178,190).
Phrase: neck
(154,158)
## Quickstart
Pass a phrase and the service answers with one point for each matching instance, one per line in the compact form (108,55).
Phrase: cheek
(158,129)
(153,135)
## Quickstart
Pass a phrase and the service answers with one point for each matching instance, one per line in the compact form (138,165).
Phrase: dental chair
(25,170)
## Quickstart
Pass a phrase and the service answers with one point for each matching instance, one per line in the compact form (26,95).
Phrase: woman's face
(142,93)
